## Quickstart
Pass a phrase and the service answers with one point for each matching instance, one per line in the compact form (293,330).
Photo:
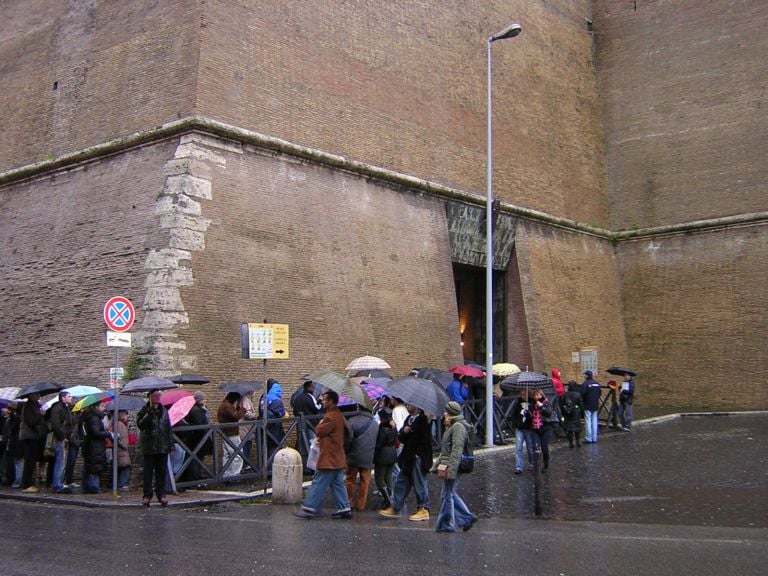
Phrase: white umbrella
(368,363)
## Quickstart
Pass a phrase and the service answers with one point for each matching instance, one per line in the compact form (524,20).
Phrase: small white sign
(115,375)
(575,357)
(118,339)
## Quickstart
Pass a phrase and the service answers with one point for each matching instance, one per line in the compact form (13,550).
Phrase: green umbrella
(90,400)
(341,385)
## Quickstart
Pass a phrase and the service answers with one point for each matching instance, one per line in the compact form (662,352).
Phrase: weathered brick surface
(68,242)
(79,73)
(571,296)
(695,314)
(683,91)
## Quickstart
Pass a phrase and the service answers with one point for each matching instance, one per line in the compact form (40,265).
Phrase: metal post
(489,268)
(115,408)
(509,32)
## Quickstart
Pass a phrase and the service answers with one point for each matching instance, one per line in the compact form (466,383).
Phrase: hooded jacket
(558,383)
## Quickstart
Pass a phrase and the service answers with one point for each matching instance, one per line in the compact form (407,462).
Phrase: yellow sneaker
(389,512)
(421,515)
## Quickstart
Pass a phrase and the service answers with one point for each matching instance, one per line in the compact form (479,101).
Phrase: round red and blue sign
(119,314)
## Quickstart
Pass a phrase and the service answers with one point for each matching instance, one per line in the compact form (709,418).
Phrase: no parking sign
(119,314)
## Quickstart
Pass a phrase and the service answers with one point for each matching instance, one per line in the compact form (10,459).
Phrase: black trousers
(155,468)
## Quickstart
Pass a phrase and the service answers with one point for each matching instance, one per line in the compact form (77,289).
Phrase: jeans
(625,415)
(590,424)
(453,511)
(540,439)
(321,481)
(520,437)
(123,476)
(91,482)
(403,484)
(18,466)
(69,470)
(59,465)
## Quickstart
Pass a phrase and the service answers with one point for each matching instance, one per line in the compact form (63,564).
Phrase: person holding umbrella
(626,398)
(156,442)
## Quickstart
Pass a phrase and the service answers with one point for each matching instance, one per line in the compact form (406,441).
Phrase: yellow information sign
(267,341)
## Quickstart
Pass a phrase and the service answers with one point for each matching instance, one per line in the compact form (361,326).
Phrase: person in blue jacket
(458,390)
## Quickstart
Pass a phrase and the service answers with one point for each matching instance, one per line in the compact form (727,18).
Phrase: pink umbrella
(180,409)
(374,390)
(172,396)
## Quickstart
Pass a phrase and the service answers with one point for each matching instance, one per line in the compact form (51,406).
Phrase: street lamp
(509,32)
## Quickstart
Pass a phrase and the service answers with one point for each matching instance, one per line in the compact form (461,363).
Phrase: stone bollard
(287,477)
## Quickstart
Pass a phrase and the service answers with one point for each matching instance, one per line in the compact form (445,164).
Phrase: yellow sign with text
(267,341)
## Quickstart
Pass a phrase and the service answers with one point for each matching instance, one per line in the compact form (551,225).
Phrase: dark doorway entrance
(470,299)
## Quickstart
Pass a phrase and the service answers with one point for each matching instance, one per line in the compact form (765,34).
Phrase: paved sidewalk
(695,469)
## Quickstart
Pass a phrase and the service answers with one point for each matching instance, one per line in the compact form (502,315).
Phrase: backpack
(568,407)
(467,463)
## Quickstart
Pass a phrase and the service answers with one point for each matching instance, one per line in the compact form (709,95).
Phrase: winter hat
(588,373)
(199,395)
(453,408)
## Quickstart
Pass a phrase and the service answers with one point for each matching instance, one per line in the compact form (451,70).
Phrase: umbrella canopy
(180,409)
(241,386)
(342,385)
(505,369)
(527,381)
(442,377)
(148,383)
(172,396)
(619,371)
(188,379)
(373,387)
(426,394)
(41,388)
(126,403)
(76,391)
(8,395)
(90,400)
(465,370)
(367,363)
(372,374)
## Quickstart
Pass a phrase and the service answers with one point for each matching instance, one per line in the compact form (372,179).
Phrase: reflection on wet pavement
(692,470)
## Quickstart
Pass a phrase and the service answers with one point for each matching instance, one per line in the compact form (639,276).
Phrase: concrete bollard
(287,477)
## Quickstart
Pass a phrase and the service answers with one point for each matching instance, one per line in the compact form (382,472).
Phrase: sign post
(119,315)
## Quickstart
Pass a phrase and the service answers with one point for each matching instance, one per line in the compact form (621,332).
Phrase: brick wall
(572,298)
(695,314)
(683,91)
(84,72)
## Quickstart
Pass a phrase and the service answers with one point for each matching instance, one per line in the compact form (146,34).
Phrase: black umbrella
(527,381)
(426,394)
(126,403)
(619,371)
(188,379)
(149,383)
(41,388)
(442,377)
(241,386)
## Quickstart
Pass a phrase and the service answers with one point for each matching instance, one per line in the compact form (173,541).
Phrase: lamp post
(509,32)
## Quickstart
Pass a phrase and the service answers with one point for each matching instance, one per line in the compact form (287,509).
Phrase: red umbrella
(172,396)
(470,371)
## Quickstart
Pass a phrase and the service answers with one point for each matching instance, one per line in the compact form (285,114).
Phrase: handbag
(314,454)
(50,446)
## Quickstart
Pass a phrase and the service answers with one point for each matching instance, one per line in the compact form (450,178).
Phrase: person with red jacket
(558,383)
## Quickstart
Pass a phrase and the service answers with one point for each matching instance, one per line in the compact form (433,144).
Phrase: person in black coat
(385,455)
(305,404)
(156,442)
(590,399)
(94,447)
(198,416)
(571,409)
